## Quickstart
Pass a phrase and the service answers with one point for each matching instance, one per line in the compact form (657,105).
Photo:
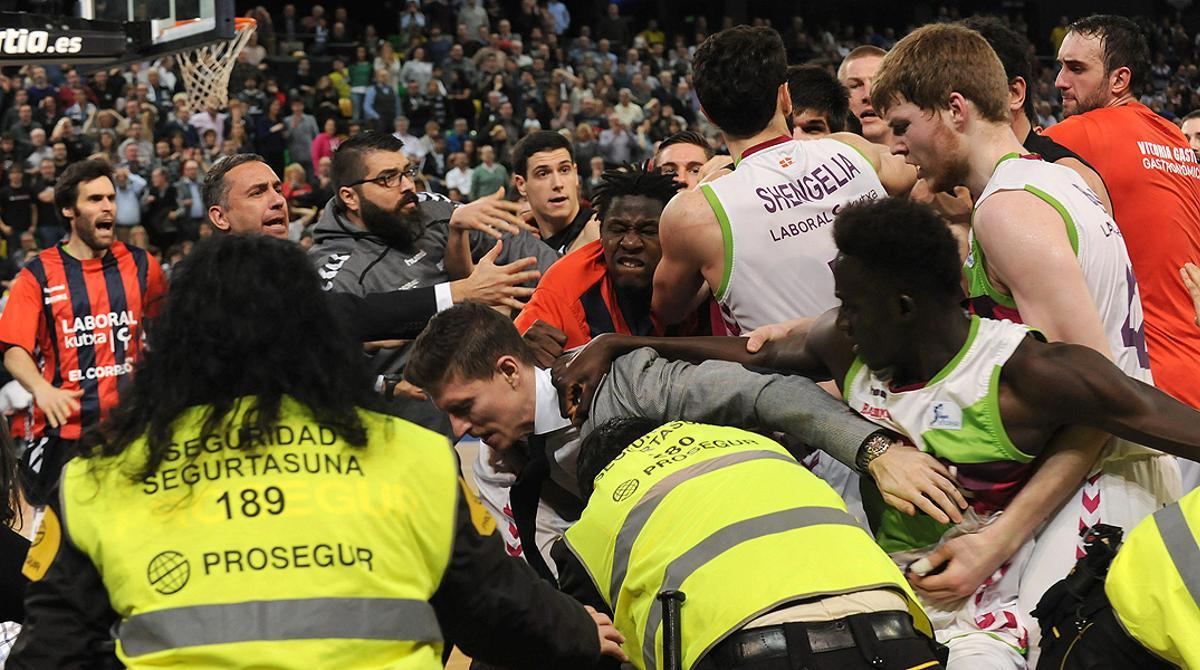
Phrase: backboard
(113,32)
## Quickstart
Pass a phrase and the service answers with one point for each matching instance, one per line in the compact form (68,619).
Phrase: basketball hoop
(206,69)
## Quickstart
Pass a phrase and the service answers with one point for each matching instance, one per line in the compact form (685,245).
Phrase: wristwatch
(875,446)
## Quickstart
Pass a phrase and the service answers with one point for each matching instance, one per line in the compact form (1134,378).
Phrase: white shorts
(1131,485)
(989,631)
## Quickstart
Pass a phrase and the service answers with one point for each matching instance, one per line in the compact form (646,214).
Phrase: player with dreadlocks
(605,286)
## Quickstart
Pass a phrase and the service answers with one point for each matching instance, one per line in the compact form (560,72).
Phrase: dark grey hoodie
(352,260)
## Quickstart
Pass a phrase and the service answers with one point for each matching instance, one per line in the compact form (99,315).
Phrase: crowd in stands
(460,85)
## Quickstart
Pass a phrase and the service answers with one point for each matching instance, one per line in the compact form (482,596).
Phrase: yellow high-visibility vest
(278,547)
(1154,582)
(732,520)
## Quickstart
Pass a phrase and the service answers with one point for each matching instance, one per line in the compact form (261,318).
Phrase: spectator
(38,150)
(269,137)
(617,144)
(138,237)
(381,104)
(9,153)
(326,142)
(473,16)
(49,229)
(209,119)
(459,176)
(629,113)
(412,144)
(164,159)
(561,15)
(300,130)
(130,187)
(296,188)
(614,28)
(326,100)
(190,202)
(487,177)
(18,211)
(417,69)
(130,160)
(361,74)
(160,203)
(594,178)
(107,145)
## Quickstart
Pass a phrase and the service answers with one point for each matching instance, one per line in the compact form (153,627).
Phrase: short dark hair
(737,74)
(904,241)
(463,341)
(685,137)
(812,87)
(1194,114)
(1013,50)
(861,51)
(535,143)
(348,165)
(604,444)
(1123,43)
(627,181)
(215,191)
(66,189)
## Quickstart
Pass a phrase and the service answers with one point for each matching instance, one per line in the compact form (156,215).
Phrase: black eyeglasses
(391,178)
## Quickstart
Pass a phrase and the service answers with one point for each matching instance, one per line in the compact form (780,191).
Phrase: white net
(206,69)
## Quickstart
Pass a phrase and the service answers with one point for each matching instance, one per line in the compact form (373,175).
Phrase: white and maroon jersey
(1099,249)
(776,212)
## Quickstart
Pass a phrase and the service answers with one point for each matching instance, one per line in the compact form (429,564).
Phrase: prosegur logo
(625,490)
(168,572)
(22,41)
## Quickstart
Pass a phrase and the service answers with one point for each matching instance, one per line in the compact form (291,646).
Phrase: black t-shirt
(47,213)
(563,239)
(16,207)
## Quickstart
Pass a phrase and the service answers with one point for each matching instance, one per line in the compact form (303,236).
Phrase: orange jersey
(1154,181)
(577,297)
(82,319)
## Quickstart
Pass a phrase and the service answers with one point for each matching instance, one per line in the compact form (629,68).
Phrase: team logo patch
(786,162)
(945,415)
(44,548)
(168,572)
(625,490)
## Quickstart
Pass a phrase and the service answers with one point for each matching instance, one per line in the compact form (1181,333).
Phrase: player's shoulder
(586,262)
(435,207)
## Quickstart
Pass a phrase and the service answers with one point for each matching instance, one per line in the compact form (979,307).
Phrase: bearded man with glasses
(379,233)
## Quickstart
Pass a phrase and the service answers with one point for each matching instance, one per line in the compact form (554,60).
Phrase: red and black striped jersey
(82,320)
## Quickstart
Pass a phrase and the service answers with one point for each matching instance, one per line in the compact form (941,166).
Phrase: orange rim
(239,23)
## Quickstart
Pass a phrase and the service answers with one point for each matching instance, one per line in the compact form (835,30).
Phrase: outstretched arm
(1076,385)
(897,176)
(692,249)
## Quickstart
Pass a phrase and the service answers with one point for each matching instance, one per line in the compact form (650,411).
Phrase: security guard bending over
(242,509)
(1148,615)
(775,574)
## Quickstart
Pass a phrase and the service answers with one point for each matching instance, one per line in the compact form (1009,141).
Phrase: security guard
(1147,615)
(765,565)
(1154,583)
(243,509)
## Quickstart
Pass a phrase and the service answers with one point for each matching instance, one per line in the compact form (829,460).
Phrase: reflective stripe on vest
(1181,545)
(640,514)
(725,539)
(278,620)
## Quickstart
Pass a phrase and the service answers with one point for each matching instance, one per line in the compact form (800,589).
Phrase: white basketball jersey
(776,212)
(1099,249)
